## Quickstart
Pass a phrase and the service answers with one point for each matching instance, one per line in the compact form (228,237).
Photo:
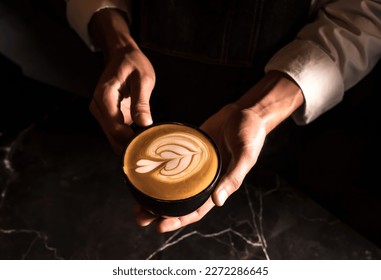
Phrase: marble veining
(7,162)
(256,225)
(37,236)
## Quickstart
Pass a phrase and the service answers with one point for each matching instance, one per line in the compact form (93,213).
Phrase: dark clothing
(233,40)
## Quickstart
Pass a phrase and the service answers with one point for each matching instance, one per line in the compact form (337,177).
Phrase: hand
(239,134)
(123,91)
(122,95)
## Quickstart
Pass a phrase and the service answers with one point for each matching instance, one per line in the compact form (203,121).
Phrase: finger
(125,107)
(106,106)
(107,95)
(117,132)
(174,223)
(141,90)
(143,217)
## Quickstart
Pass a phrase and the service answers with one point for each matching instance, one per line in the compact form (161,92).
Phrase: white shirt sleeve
(332,54)
(79,13)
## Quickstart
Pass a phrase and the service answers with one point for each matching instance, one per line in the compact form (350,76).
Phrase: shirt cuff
(316,74)
(80,12)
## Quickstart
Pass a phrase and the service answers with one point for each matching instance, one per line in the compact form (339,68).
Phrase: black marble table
(62,196)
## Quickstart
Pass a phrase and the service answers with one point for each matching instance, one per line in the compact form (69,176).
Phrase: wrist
(273,99)
(110,32)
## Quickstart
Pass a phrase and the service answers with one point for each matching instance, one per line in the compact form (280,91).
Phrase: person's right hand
(122,95)
(124,89)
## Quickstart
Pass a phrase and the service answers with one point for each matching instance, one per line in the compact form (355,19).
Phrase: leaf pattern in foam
(146,165)
(174,156)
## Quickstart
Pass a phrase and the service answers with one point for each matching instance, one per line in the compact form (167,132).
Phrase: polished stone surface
(63,197)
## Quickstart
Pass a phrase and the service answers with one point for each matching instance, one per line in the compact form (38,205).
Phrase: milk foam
(171,162)
(175,156)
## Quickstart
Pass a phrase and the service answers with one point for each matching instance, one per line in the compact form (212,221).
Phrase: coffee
(171,162)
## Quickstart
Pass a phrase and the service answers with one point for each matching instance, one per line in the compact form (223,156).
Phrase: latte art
(171,162)
(176,156)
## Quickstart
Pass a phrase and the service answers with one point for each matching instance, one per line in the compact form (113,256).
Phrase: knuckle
(236,182)
(147,80)
(142,105)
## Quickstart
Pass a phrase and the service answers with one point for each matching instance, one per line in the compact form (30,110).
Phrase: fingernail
(143,118)
(222,196)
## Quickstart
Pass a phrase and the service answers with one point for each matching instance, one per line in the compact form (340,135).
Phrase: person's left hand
(239,135)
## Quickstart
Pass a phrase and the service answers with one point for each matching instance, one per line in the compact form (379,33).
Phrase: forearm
(109,31)
(273,99)
(80,12)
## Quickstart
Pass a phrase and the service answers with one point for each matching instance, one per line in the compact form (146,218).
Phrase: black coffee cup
(171,168)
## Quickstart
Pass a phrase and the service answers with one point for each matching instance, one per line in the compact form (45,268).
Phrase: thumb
(140,107)
(230,182)
(141,113)
(227,186)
